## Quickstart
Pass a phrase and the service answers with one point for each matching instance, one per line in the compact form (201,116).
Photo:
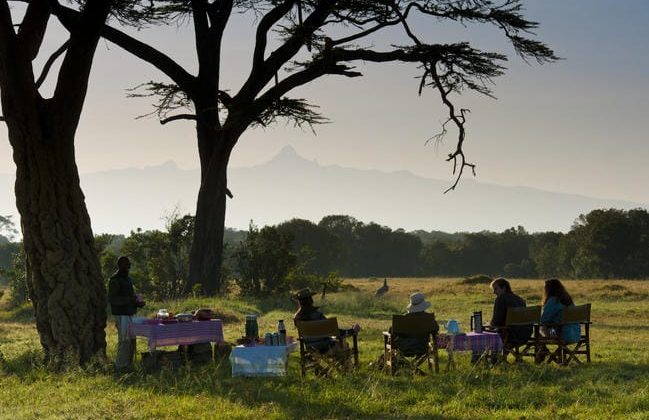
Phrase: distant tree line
(298,253)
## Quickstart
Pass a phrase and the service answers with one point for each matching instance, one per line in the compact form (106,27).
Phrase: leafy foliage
(263,260)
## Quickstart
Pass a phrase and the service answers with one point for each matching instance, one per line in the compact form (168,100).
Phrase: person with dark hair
(555,298)
(307,311)
(505,298)
(123,303)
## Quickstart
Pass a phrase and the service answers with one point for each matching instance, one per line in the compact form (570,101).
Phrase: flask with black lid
(281,329)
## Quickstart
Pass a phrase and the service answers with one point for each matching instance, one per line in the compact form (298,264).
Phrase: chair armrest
(387,334)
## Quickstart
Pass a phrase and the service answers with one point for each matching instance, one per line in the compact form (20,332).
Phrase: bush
(17,279)
(299,278)
(263,261)
(477,279)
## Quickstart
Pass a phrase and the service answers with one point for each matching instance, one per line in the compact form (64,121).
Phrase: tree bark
(64,280)
(206,256)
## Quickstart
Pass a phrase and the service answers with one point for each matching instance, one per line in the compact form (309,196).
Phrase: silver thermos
(476,321)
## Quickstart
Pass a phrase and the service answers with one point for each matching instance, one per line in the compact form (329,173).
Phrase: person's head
(304,297)
(500,286)
(417,303)
(123,264)
(554,288)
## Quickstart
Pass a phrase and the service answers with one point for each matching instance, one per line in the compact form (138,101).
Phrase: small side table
(261,360)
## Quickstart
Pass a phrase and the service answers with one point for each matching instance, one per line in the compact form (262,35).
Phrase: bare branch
(179,117)
(170,98)
(32,29)
(70,18)
(50,61)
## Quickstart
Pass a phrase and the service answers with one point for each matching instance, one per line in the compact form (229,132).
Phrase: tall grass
(615,385)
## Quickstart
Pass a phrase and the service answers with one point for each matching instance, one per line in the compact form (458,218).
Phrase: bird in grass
(383,289)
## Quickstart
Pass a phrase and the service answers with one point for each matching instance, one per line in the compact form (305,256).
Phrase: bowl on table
(184,317)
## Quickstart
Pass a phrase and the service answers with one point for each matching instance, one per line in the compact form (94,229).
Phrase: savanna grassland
(614,385)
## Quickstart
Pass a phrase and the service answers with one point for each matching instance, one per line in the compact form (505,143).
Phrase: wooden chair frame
(412,326)
(337,358)
(519,317)
(564,353)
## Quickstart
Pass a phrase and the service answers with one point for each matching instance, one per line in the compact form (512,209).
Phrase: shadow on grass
(23,314)
(348,396)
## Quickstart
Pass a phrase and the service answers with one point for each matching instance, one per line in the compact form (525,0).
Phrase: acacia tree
(63,276)
(313,38)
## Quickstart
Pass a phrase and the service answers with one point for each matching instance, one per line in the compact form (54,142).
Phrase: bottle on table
(252,328)
(281,329)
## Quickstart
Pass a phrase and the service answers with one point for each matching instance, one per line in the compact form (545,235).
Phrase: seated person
(415,345)
(505,298)
(308,312)
(555,298)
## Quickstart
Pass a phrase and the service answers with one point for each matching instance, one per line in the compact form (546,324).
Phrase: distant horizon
(145,195)
(465,178)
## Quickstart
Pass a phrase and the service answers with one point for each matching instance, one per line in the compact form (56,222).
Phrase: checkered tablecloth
(471,341)
(181,333)
(260,360)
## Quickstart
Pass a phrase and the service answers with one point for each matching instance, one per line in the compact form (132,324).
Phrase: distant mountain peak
(287,153)
(288,157)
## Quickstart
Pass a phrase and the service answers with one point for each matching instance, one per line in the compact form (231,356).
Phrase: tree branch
(264,71)
(32,29)
(50,61)
(70,18)
(179,117)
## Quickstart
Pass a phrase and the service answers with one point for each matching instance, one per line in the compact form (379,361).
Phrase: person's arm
(551,310)
(113,294)
(435,325)
(500,312)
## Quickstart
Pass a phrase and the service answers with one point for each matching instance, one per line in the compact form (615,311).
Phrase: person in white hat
(409,345)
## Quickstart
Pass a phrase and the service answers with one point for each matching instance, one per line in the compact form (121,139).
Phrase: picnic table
(471,341)
(261,360)
(179,333)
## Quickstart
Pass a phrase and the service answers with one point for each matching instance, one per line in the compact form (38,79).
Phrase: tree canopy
(297,42)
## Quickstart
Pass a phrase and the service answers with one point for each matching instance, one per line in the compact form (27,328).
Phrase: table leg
(450,347)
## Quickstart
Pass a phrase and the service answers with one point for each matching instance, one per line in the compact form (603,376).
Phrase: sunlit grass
(615,385)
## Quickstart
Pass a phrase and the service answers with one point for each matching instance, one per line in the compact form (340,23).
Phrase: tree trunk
(206,256)
(64,280)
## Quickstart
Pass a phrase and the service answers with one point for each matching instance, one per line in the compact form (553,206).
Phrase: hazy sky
(579,125)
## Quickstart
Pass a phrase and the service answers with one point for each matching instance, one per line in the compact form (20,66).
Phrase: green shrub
(477,279)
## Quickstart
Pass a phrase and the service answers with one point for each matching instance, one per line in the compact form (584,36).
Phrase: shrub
(477,279)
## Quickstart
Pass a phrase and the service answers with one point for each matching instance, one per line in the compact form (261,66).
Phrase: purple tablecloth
(181,333)
(475,342)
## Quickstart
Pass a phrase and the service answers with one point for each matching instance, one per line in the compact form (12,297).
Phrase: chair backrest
(523,316)
(576,314)
(312,329)
(421,324)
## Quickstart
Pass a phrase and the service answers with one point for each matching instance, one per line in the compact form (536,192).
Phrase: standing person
(505,298)
(123,304)
(555,298)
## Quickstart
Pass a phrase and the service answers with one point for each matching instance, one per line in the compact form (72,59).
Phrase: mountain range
(290,186)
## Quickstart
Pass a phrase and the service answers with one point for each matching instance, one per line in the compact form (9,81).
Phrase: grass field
(614,385)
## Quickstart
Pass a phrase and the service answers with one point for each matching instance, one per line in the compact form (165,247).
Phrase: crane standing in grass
(383,289)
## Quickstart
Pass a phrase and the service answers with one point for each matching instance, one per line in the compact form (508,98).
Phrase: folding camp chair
(565,352)
(323,347)
(408,326)
(530,317)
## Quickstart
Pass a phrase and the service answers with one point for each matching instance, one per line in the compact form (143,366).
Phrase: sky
(578,125)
